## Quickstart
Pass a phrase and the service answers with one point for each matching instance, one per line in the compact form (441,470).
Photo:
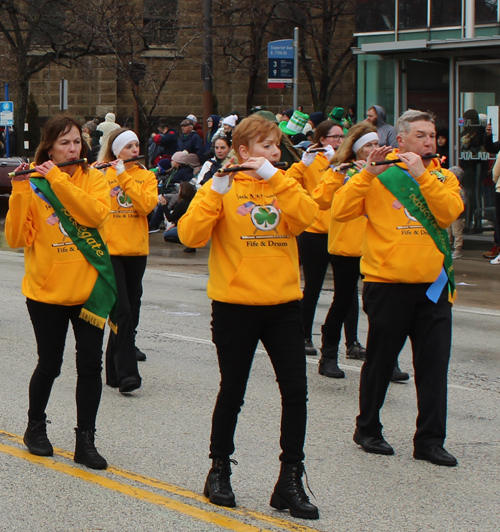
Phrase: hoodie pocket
(410,263)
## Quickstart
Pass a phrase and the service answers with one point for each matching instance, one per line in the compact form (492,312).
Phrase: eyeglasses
(335,137)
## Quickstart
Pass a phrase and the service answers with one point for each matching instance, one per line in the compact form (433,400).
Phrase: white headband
(121,141)
(365,139)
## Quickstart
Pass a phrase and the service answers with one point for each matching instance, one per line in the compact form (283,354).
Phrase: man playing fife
(408,284)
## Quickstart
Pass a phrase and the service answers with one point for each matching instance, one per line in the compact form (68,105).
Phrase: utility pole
(207,63)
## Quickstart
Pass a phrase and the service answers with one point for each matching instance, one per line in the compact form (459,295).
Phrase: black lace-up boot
(218,485)
(36,440)
(289,493)
(85,451)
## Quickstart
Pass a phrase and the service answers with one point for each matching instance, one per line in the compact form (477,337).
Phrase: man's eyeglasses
(335,137)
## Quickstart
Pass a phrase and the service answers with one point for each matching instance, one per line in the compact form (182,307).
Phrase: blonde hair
(345,153)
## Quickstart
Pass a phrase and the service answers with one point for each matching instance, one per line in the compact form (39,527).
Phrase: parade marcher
(252,218)
(133,191)
(313,243)
(376,115)
(408,279)
(344,247)
(58,216)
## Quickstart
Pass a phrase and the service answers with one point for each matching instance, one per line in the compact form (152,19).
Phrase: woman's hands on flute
(222,183)
(25,177)
(45,168)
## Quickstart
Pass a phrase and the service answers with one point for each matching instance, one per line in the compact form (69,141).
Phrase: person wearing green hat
(296,124)
(336,115)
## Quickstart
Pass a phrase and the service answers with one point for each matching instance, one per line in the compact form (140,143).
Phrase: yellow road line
(165,486)
(138,493)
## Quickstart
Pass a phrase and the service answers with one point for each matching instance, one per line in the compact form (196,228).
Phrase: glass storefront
(478,107)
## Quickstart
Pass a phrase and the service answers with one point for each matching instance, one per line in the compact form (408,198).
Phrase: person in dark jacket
(167,139)
(186,194)
(190,141)
(213,125)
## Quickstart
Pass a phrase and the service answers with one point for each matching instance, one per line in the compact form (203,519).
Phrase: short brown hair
(254,127)
(52,130)
(323,129)
(106,153)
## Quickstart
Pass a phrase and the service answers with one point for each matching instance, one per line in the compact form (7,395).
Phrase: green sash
(103,300)
(406,190)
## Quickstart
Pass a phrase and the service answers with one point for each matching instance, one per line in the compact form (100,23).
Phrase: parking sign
(6,113)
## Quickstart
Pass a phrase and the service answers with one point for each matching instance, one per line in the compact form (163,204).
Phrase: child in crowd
(252,217)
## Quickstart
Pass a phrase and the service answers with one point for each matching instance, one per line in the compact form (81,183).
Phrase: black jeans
(314,258)
(396,312)
(345,305)
(50,323)
(121,359)
(236,330)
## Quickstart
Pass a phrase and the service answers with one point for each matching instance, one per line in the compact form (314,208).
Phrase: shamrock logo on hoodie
(265,218)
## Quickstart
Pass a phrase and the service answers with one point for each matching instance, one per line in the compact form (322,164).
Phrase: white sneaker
(456,254)
(496,260)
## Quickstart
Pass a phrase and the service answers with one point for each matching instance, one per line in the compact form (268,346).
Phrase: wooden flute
(32,170)
(380,163)
(107,165)
(232,169)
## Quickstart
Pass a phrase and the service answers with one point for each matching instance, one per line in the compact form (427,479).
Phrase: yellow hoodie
(55,271)
(308,177)
(134,194)
(344,239)
(253,255)
(396,248)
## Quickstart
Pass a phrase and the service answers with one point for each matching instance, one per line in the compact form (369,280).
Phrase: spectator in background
(456,229)
(107,127)
(386,133)
(351,113)
(443,147)
(166,141)
(196,125)
(213,122)
(222,155)
(189,141)
(186,194)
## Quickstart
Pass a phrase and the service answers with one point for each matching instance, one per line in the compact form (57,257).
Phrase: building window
(446,13)
(486,11)
(160,21)
(374,16)
(412,14)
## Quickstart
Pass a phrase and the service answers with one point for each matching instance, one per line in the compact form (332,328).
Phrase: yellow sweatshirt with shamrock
(253,254)
(133,195)
(56,272)
(397,249)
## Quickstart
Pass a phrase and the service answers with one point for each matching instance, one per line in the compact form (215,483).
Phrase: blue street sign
(6,113)
(280,62)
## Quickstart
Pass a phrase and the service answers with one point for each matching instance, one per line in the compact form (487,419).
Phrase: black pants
(345,304)
(236,330)
(314,257)
(50,323)
(395,312)
(121,359)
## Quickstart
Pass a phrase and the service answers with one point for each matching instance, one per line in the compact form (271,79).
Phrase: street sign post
(280,57)
(6,113)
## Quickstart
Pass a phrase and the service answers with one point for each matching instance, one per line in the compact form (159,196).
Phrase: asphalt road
(157,439)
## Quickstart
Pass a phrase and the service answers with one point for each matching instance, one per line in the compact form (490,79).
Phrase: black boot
(328,363)
(36,440)
(398,375)
(289,493)
(85,451)
(218,485)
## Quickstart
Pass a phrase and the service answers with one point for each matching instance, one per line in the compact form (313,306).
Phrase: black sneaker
(356,351)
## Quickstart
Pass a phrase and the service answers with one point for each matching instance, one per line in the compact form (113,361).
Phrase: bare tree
(37,33)
(143,45)
(243,30)
(325,42)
